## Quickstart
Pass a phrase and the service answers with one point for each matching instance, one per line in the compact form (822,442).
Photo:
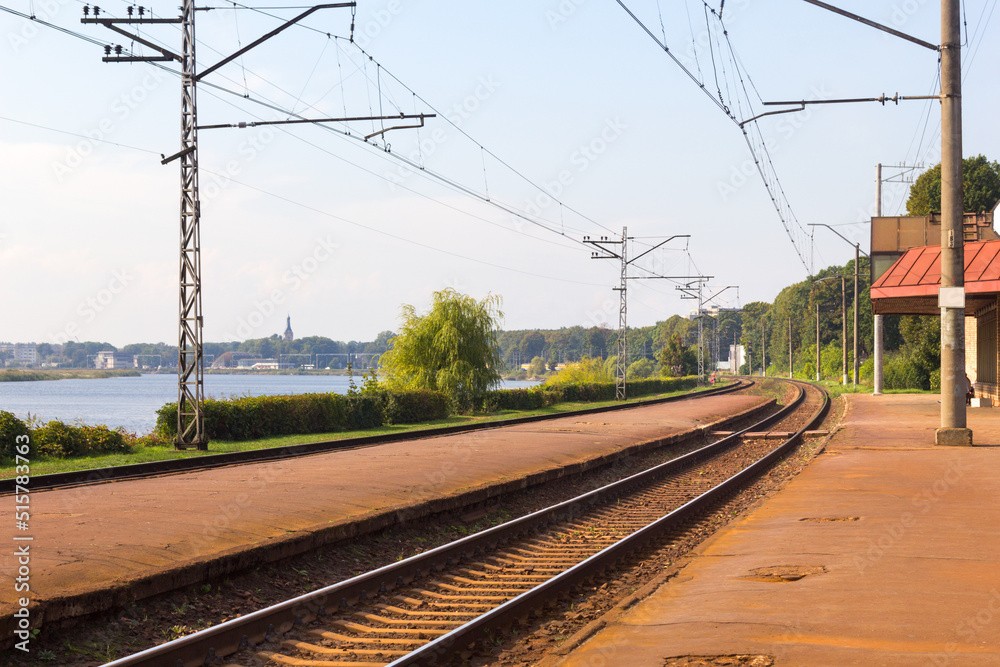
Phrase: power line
(757,145)
(294,202)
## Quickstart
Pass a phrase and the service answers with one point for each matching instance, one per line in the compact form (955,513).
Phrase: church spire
(288,329)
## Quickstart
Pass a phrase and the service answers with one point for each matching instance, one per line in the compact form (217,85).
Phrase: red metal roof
(918,272)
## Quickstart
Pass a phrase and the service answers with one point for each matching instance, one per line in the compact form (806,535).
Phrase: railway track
(428,609)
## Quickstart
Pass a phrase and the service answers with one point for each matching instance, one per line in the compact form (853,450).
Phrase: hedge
(256,417)
(544,395)
(59,440)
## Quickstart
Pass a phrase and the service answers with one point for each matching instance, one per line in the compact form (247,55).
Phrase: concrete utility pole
(857,250)
(879,343)
(789,348)
(843,323)
(951,297)
(817,344)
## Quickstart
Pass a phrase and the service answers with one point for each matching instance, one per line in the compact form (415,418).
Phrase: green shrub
(256,417)
(515,399)
(411,407)
(11,428)
(59,440)
(935,380)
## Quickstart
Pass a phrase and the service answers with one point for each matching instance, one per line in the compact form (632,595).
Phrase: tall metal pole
(622,322)
(951,298)
(843,322)
(701,337)
(789,348)
(763,350)
(817,344)
(871,268)
(190,379)
(857,250)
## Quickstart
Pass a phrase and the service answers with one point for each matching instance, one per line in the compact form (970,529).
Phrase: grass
(44,466)
(26,375)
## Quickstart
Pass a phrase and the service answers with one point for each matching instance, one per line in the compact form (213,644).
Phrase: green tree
(676,360)
(641,369)
(980,185)
(537,367)
(532,344)
(452,348)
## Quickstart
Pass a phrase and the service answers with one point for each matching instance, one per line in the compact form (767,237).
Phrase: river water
(131,402)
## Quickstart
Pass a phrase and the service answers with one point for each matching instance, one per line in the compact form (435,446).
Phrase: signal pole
(190,360)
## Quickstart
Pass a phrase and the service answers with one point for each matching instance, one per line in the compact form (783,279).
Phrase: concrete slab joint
(953,437)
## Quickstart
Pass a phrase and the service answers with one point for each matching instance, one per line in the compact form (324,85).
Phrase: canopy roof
(910,286)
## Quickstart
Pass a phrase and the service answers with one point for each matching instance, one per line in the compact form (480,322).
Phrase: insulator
(118,49)
(130,10)
(142,10)
(86,10)
(107,49)
(97,10)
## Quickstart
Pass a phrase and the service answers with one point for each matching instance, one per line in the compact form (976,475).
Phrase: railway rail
(428,609)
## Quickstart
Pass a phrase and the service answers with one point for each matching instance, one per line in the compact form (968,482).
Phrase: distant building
(289,336)
(22,354)
(735,358)
(26,354)
(110,360)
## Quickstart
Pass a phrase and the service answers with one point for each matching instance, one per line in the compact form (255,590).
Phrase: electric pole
(817,344)
(879,342)
(843,322)
(857,250)
(607,251)
(951,297)
(789,348)
(190,359)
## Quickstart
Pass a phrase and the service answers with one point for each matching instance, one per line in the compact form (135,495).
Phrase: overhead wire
(289,200)
(758,149)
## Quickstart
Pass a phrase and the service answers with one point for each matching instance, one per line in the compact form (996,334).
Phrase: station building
(906,276)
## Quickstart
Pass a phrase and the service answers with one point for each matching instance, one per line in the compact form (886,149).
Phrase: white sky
(309,222)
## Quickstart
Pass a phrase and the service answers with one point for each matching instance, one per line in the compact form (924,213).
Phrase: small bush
(11,428)
(411,407)
(59,440)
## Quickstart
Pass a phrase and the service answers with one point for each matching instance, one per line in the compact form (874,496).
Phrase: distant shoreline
(31,375)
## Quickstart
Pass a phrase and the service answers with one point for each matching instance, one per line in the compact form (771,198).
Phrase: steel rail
(511,611)
(231,636)
(156,468)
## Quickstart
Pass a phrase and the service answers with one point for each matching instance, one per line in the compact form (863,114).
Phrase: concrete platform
(98,546)
(884,551)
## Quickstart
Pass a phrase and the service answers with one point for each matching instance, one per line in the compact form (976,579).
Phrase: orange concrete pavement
(99,545)
(884,551)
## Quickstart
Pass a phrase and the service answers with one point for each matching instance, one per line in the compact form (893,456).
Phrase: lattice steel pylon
(190,360)
(607,252)
(190,370)
(622,365)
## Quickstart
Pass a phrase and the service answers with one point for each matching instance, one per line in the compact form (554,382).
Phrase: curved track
(429,608)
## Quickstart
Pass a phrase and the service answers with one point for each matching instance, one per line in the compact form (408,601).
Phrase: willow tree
(453,348)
